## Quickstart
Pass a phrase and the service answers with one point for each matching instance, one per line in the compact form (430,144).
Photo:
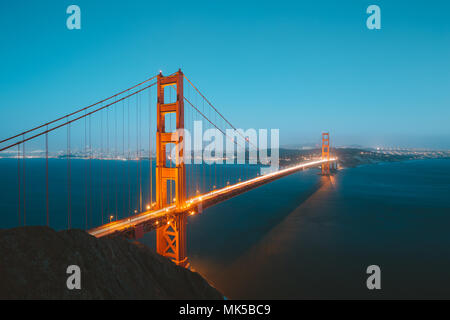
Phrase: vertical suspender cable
(140,155)
(215,160)
(46,176)
(210,173)
(129,158)
(19,185)
(123,157)
(170,153)
(23,182)
(102,182)
(137,152)
(90,171)
(203,158)
(68,174)
(115,159)
(150,145)
(107,165)
(85,174)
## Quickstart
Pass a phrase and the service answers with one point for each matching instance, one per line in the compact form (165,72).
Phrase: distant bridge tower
(171,237)
(326,153)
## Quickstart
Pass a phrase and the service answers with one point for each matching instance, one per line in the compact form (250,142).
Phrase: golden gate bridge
(112,129)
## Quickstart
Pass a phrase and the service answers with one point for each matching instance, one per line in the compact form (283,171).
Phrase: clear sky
(300,66)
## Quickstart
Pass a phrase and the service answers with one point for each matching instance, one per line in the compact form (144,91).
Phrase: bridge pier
(171,240)
(326,153)
(171,237)
(334,165)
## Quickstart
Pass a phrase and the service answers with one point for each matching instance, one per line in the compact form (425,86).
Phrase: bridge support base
(328,169)
(171,240)
(326,153)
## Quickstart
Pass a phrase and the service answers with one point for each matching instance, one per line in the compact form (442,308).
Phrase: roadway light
(111,217)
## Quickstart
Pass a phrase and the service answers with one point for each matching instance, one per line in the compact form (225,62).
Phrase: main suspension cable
(78,111)
(75,119)
(245,139)
(235,142)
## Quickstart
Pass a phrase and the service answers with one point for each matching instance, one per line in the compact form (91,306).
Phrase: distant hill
(34,260)
(351,157)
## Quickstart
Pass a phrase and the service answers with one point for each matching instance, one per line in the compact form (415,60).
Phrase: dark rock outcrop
(34,260)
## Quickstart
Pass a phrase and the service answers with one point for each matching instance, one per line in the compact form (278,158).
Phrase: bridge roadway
(151,219)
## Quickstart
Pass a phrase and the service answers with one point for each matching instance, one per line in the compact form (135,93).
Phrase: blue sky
(300,66)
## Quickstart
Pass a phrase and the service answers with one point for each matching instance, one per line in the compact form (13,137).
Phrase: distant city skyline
(301,67)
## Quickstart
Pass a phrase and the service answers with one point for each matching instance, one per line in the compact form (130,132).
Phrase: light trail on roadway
(131,222)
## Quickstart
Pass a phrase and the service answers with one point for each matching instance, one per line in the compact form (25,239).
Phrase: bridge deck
(150,220)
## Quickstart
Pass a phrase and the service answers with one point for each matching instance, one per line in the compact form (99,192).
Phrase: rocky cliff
(34,262)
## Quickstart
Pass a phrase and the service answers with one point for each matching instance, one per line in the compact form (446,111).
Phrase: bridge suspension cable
(67,122)
(76,112)
(204,116)
(217,111)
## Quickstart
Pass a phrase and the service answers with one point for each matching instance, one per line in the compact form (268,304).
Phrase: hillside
(34,260)
(352,157)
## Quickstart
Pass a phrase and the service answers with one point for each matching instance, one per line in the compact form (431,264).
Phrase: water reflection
(326,231)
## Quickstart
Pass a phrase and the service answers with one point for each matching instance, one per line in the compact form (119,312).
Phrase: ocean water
(307,236)
(86,193)
(303,236)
